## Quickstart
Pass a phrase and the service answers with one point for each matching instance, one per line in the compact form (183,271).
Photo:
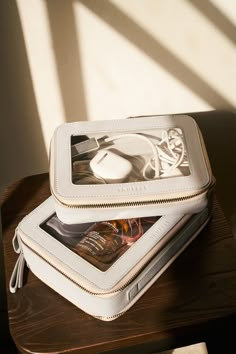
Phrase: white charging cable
(171,150)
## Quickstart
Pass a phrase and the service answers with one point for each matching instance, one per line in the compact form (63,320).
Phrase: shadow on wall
(127,27)
(218,128)
(67,51)
(67,57)
(209,10)
(22,149)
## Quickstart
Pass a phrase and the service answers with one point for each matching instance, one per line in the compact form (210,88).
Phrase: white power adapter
(110,166)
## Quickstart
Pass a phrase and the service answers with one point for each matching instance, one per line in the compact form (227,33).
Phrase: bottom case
(104,267)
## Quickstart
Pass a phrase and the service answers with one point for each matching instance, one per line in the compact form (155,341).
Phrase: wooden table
(193,301)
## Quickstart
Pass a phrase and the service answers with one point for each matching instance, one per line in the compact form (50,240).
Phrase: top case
(145,166)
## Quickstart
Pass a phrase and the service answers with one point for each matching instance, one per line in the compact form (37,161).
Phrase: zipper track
(73,280)
(129,203)
(109,318)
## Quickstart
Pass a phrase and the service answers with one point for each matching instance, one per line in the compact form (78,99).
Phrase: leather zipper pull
(16,280)
(16,243)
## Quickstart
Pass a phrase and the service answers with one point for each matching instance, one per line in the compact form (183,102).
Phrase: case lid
(117,161)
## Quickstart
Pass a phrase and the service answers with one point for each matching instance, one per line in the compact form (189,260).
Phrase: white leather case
(105,294)
(129,168)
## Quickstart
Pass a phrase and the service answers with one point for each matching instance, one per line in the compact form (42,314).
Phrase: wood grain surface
(195,295)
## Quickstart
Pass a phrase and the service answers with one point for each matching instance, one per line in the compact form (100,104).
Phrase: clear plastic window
(132,157)
(99,243)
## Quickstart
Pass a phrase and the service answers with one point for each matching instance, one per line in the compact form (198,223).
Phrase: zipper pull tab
(16,242)
(16,280)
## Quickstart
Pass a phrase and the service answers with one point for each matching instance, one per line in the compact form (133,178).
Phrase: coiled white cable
(175,148)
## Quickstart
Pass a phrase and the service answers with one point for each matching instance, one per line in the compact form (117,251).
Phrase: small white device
(110,166)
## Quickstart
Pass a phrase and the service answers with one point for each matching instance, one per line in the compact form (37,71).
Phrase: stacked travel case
(128,196)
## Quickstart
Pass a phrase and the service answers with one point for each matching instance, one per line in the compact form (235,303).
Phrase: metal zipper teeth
(109,318)
(130,203)
(73,280)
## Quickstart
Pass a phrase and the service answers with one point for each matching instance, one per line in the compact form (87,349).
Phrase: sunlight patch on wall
(120,79)
(39,48)
(191,37)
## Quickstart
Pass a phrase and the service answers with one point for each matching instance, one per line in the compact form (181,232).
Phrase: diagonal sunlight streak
(128,28)
(219,20)
(67,58)
(34,21)
(23,149)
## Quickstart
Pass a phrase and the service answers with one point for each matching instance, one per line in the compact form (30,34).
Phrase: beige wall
(68,60)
